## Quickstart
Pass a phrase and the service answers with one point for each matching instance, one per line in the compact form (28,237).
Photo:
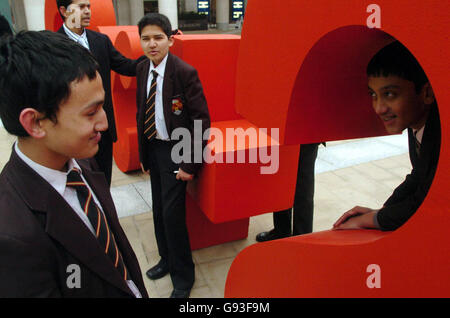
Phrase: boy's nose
(380,107)
(102,124)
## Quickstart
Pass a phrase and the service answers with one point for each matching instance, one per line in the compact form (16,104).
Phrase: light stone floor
(348,173)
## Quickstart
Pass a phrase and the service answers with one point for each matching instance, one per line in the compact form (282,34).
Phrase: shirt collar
(73,35)
(419,133)
(160,69)
(57,179)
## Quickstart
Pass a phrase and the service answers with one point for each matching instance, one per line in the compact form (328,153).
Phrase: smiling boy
(403,99)
(59,231)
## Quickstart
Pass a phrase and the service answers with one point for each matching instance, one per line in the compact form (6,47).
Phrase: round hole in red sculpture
(329,100)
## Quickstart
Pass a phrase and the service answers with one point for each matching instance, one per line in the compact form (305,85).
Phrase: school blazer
(409,195)
(108,59)
(43,243)
(183,102)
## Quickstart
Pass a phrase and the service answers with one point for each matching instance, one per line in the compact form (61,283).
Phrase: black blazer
(41,236)
(409,195)
(108,59)
(181,83)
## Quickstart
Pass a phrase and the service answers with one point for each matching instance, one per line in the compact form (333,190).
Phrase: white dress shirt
(161,129)
(58,179)
(81,39)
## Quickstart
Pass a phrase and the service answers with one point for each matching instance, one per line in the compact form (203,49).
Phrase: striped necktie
(97,219)
(149,123)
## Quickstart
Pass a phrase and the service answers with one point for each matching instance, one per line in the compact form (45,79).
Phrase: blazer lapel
(142,78)
(146,69)
(429,148)
(63,224)
(168,86)
(93,44)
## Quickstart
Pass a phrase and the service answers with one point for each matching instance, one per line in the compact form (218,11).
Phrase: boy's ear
(30,119)
(427,94)
(171,40)
(63,11)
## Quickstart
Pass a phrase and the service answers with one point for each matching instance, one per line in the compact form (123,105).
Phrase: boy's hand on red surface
(184,176)
(356,218)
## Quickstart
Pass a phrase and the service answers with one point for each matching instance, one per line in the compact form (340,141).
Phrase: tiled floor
(348,173)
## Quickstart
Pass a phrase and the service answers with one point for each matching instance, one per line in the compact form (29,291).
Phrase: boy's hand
(184,176)
(356,218)
(144,171)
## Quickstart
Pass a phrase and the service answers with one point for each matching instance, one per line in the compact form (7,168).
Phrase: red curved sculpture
(125,150)
(412,261)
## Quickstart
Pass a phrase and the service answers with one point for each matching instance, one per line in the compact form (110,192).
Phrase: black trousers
(303,199)
(104,156)
(169,214)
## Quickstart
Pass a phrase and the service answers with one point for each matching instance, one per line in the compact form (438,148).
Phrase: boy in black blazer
(169,96)
(403,98)
(76,15)
(59,231)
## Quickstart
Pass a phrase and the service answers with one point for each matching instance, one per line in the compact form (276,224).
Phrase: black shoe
(180,293)
(158,271)
(269,236)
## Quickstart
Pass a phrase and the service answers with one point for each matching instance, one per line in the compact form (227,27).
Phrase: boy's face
(155,43)
(396,102)
(80,119)
(78,14)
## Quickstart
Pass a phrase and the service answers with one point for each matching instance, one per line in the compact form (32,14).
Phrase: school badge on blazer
(177,105)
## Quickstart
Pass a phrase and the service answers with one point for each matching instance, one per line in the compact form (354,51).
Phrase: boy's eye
(389,94)
(93,112)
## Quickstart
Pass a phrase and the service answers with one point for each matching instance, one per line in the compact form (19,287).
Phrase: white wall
(170,9)
(34,14)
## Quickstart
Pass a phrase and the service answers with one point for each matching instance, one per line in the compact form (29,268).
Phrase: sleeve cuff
(375,220)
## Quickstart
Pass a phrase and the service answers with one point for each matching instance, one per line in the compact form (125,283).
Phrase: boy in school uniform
(403,99)
(59,231)
(169,96)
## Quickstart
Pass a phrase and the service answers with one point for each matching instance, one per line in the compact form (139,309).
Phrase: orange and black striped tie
(97,219)
(149,118)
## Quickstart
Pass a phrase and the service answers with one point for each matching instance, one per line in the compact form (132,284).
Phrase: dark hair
(36,70)
(63,3)
(156,19)
(396,59)
(5,28)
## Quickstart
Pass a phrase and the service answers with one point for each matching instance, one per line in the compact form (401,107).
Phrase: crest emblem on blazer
(177,105)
